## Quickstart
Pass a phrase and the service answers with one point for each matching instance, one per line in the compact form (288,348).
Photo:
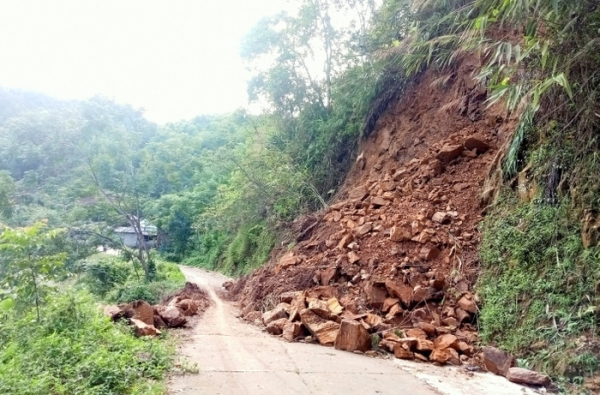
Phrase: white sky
(177,59)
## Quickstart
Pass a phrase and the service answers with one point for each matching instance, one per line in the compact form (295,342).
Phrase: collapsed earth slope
(397,251)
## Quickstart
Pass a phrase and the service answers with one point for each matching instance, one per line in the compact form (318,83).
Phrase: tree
(297,47)
(28,263)
(7,191)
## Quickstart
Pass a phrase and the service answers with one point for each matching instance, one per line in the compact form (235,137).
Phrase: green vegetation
(74,349)
(54,337)
(539,285)
(27,264)
(115,280)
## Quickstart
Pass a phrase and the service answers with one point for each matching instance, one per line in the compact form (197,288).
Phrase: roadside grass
(74,349)
(540,288)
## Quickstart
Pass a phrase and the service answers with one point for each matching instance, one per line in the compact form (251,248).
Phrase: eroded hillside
(399,246)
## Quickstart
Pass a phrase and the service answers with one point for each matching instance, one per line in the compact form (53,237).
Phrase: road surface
(235,358)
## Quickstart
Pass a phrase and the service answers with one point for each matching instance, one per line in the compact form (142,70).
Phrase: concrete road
(237,358)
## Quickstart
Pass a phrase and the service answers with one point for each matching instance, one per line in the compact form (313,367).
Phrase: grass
(76,350)
(539,287)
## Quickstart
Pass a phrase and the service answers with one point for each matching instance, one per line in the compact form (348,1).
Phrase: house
(129,238)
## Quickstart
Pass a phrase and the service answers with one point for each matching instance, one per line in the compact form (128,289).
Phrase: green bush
(76,350)
(152,292)
(117,281)
(101,276)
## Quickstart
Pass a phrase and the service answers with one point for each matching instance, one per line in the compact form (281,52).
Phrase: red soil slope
(401,240)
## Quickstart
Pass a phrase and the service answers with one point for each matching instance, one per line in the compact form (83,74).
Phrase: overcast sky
(177,58)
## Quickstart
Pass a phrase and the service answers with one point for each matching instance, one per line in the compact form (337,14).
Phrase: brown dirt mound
(404,228)
(190,291)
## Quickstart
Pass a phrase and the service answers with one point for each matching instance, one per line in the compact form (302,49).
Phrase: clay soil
(403,229)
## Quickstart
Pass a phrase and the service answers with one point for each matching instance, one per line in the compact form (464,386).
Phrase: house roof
(147,229)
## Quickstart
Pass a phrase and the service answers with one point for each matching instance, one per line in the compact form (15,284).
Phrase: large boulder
(334,306)
(323,330)
(142,329)
(321,308)
(158,322)
(467,304)
(254,317)
(449,152)
(276,327)
(376,294)
(171,316)
(275,314)
(476,142)
(401,291)
(352,336)
(328,275)
(188,307)
(497,361)
(401,352)
(112,312)
(446,341)
(287,297)
(440,356)
(291,330)
(140,310)
(526,376)
(297,304)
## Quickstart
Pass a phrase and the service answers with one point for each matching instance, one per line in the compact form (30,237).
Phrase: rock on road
(237,358)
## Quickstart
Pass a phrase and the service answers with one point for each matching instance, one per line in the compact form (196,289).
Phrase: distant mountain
(16,101)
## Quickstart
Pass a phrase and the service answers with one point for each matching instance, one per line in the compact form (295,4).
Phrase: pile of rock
(318,314)
(149,320)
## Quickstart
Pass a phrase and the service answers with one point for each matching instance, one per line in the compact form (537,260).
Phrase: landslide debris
(173,312)
(394,259)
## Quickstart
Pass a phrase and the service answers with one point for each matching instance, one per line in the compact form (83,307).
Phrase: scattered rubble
(173,312)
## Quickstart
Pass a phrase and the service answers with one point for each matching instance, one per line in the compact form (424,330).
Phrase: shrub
(152,292)
(117,281)
(75,350)
(101,276)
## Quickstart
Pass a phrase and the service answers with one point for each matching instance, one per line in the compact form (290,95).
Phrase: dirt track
(237,358)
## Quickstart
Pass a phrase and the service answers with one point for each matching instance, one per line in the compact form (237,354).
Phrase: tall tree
(7,191)
(27,263)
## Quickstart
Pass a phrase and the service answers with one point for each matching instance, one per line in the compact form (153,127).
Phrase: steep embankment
(399,246)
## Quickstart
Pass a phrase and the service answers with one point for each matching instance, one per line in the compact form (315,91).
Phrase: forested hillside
(224,190)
